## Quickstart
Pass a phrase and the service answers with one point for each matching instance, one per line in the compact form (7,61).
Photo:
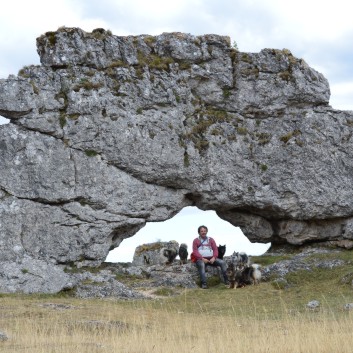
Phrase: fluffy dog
(183,253)
(240,259)
(221,251)
(170,251)
(242,276)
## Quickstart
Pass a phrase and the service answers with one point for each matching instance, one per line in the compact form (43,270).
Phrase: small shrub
(62,120)
(101,33)
(87,85)
(51,38)
(242,130)
(150,40)
(286,76)
(263,138)
(24,72)
(91,153)
(246,58)
(186,159)
(201,145)
(215,132)
(74,116)
(285,138)
(226,93)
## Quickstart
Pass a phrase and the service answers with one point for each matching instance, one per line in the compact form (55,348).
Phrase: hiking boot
(204,286)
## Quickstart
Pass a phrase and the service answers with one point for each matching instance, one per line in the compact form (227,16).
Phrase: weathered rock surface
(154,253)
(112,132)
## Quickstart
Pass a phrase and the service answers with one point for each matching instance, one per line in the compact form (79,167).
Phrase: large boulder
(112,132)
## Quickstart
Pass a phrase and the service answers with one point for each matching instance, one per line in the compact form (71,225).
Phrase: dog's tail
(256,274)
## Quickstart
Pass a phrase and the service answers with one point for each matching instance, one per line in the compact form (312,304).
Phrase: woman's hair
(199,228)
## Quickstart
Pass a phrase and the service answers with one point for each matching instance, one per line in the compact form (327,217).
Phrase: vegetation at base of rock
(146,247)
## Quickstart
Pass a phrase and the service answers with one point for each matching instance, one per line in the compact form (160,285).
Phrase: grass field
(256,319)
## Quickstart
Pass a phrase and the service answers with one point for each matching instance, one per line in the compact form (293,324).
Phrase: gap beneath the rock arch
(183,228)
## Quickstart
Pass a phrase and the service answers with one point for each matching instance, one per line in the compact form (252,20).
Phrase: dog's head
(230,270)
(221,251)
(240,259)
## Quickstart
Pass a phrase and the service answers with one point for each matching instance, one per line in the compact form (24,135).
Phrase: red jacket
(195,255)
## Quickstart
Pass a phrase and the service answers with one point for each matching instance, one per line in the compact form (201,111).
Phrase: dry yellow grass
(37,324)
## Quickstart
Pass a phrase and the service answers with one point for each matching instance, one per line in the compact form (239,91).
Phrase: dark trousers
(201,266)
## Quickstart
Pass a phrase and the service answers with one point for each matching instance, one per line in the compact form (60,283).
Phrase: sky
(320,32)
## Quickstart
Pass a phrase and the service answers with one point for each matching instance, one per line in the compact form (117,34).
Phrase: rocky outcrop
(157,253)
(112,132)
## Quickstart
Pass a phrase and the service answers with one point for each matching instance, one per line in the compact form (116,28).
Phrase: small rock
(314,304)
(348,306)
(3,336)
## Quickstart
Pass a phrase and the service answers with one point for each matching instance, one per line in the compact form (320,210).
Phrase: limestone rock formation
(157,253)
(111,132)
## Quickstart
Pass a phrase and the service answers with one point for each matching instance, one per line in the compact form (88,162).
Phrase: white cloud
(342,95)
(314,19)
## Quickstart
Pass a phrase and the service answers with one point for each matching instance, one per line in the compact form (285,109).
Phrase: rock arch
(111,132)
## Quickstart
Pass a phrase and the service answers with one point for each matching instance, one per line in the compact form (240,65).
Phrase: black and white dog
(183,253)
(240,259)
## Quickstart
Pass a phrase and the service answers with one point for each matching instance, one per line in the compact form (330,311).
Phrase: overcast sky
(320,32)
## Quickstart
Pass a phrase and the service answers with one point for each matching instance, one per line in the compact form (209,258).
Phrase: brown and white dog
(243,275)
